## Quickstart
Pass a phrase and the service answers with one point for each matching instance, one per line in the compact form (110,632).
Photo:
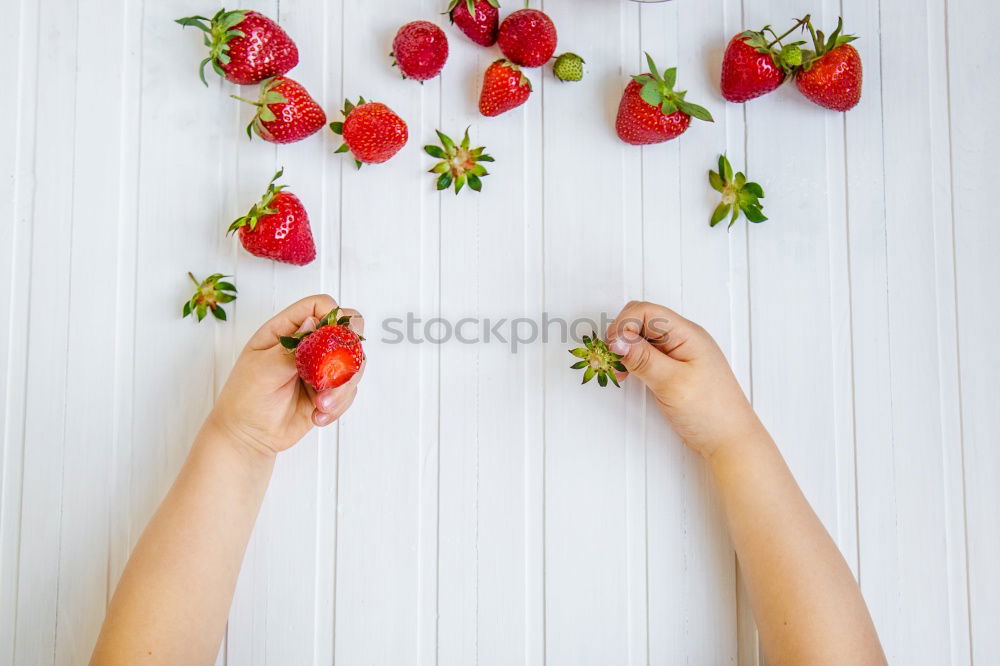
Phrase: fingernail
(323,419)
(327,402)
(307,325)
(619,346)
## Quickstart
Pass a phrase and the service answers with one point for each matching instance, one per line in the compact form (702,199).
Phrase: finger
(357,323)
(643,360)
(663,328)
(289,320)
(326,418)
(327,401)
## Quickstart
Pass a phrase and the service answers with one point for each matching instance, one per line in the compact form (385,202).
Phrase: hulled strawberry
(277,227)
(652,112)
(505,87)
(478,19)
(753,65)
(459,163)
(209,296)
(330,355)
(832,75)
(420,50)
(528,38)
(245,47)
(372,131)
(285,112)
(598,361)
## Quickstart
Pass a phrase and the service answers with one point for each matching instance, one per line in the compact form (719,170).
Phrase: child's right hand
(688,374)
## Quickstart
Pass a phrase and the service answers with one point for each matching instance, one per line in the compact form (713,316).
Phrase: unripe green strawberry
(568,67)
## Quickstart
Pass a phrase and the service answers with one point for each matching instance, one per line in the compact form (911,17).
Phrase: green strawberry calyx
(568,67)
(823,45)
(597,360)
(658,90)
(459,163)
(209,296)
(786,56)
(261,208)
(332,318)
(738,195)
(338,127)
(268,95)
(469,5)
(219,30)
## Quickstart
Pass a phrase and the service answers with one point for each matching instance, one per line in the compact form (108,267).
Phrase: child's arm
(174,596)
(807,605)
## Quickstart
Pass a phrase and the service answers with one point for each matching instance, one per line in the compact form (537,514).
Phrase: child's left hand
(264,404)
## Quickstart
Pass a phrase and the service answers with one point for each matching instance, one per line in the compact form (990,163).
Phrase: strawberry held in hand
(277,227)
(330,355)
(650,110)
(528,38)
(420,49)
(372,131)
(245,47)
(752,66)
(285,112)
(832,75)
(478,19)
(505,87)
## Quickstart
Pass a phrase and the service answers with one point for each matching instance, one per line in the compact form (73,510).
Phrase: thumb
(643,360)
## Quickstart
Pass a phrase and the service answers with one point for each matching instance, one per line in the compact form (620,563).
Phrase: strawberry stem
(243,99)
(806,20)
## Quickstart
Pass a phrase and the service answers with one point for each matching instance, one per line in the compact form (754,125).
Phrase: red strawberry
(832,75)
(478,19)
(420,49)
(285,112)
(650,110)
(372,131)
(277,227)
(505,87)
(329,356)
(528,38)
(752,67)
(246,47)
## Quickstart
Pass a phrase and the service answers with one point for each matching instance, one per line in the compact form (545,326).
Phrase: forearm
(173,599)
(807,605)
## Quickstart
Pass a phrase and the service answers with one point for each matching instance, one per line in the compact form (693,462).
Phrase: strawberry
(598,360)
(650,110)
(330,355)
(372,131)
(831,76)
(752,67)
(211,293)
(568,67)
(420,49)
(459,163)
(478,19)
(737,195)
(505,87)
(528,38)
(277,227)
(245,47)
(285,112)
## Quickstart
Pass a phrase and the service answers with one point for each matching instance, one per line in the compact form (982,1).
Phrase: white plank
(977,237)
(586,558)
(45,386)
(378,593)
(17,149)
(919,578)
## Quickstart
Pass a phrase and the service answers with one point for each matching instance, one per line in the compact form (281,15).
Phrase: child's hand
(687,372)
(264,404)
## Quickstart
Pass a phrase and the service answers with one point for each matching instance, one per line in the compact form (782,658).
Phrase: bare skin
(807,605)
(173,599)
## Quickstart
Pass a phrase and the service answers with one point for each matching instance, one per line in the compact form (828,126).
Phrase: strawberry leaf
(670,77)
(720,213)
(651,94)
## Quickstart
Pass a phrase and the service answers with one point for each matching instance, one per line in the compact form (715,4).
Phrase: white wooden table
(478,506)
